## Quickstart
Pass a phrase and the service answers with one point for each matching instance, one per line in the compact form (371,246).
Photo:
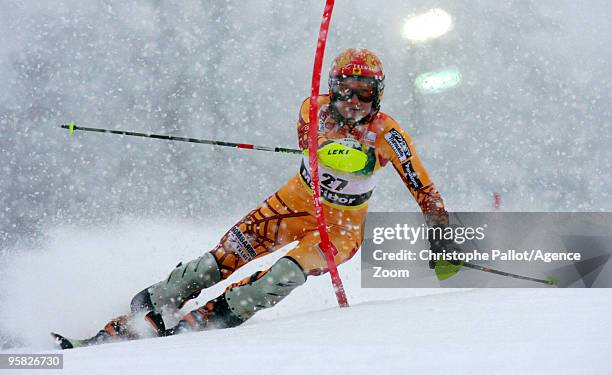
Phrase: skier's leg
(242,300)
(265,289)
(265,229)
(310,257)
(184,283)
(269,227)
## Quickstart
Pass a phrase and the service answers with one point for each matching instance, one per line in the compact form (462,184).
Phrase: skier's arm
(303,124)
(397,147)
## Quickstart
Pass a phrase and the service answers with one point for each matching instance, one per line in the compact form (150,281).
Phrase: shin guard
(264,289)
(184,283)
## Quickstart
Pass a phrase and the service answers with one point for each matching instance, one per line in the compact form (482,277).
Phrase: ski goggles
(345,89)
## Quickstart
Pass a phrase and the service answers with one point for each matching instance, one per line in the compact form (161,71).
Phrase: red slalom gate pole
(326,246)
(496,200)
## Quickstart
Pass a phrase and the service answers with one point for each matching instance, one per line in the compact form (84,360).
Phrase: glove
(444,269)
(340,157)
(442,247)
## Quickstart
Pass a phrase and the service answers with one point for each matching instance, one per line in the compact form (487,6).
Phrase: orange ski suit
(288,215)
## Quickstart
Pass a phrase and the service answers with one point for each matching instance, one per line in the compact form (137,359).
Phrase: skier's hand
(444,268)
(342,158)
(442,247)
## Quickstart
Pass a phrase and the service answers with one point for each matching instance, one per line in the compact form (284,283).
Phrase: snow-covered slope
(469,332)
(70,286)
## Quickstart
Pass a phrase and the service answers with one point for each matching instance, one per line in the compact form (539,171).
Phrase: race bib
(343,189)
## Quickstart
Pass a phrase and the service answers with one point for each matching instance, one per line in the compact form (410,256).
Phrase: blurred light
(438,81)
(426,26)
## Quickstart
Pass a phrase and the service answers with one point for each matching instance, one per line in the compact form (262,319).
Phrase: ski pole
(72,127)
(548,281)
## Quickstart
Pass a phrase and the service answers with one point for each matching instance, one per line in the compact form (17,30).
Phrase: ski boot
(116,330)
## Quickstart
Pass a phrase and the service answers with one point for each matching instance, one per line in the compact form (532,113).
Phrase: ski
(67,343)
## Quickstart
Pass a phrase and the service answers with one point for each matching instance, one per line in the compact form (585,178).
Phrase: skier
(355,141)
